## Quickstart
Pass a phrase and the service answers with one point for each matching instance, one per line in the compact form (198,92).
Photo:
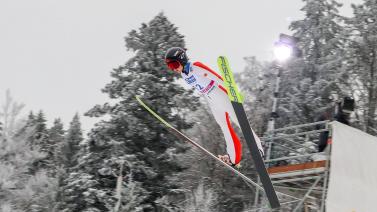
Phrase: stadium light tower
(282,53)
(284,49)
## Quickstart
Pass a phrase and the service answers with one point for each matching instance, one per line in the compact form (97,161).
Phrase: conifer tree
(309,82)
(31,119)
(72,141)
(319,37)
(40,140)
(256,83)
(56,132)
(130,134)
(56,136)
(41,133)
(362,63)
(22,189)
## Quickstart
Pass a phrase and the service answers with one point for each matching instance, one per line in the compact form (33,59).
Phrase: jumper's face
(174,65)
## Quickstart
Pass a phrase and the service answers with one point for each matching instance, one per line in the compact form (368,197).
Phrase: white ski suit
(210,85)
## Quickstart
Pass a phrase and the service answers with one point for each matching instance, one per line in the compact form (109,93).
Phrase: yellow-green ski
(237,99)
(185,138)
(230,84)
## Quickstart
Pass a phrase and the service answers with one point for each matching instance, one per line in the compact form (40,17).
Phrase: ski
(182,136)
(237,99)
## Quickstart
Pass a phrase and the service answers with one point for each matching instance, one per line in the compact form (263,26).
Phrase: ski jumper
(210,85)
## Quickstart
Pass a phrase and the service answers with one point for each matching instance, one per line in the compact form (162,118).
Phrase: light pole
(282,51)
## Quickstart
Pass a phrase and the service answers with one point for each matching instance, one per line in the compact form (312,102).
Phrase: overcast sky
(57,55)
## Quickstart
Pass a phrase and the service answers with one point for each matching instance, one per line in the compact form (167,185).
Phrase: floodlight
(282,51)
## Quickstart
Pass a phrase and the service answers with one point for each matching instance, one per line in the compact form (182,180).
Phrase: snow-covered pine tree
(72,141)
(73,182)
(308,83)
(319,37)
(129,134)
(56,132)
(56,136)
(41,141)
(362,63)
(307,86)
(41,132)
(256,83)
(21,189)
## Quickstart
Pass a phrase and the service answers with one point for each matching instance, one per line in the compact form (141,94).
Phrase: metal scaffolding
(296,167)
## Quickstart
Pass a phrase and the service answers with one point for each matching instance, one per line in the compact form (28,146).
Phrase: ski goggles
(172,64)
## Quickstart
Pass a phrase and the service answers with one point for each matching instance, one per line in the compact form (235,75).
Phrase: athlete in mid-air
(210,85)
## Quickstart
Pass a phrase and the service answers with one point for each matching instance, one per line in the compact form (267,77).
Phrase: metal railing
(293,145)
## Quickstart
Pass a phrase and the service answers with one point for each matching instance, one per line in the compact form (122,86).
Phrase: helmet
(175,56)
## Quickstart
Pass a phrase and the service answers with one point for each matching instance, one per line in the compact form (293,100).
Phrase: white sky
(57,55)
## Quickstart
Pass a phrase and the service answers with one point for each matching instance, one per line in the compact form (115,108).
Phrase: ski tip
(220,57)
(222,60)
(139,100)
